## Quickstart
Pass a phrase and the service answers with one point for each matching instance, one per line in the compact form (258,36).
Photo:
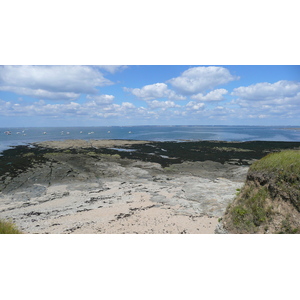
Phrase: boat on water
(7,132)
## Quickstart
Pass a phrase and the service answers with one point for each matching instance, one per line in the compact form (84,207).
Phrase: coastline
(123,186)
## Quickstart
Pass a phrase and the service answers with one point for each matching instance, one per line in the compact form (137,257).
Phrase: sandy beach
(102,193)
(124,186)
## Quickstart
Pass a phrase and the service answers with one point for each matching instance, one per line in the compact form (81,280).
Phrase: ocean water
(21,136)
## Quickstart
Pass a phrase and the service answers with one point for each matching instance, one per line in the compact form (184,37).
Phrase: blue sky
(85,95)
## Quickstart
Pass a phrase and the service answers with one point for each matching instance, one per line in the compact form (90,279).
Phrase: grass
(8,227)
(283,164)
(251,210)
(284,169)
(286,227)
(253,206)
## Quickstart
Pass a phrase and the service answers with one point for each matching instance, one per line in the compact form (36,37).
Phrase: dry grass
(8,227)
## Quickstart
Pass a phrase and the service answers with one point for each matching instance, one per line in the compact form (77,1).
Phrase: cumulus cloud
(154,91)
(193,105)
(215,95)
(264,100)
(272,109)
(127,105)
(100,99)
(40,93)
(200,79)
(264,91)
(51,82)
(118,109)
(90,109)
(162,104)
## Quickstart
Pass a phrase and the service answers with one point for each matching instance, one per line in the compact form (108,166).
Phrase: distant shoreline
(292,128)
(24,136)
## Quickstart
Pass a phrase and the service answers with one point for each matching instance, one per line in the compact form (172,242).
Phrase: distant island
(291,128)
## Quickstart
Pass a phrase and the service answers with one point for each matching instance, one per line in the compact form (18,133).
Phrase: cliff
(269,202)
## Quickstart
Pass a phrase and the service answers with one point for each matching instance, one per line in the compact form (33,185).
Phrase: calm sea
(20,136)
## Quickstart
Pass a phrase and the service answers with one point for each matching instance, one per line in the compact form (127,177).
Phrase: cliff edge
(269,202)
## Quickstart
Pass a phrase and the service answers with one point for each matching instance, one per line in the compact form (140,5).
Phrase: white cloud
(39,93)
(265,100)
(153,91)
(162,104)
(267,91)
(90,109)
(51,82)
(268,109)
(215,95)
(199,79)
(127,105)
(100,99)
(193,105)
(262,116)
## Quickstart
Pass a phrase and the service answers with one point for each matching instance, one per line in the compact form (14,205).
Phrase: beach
(119,186)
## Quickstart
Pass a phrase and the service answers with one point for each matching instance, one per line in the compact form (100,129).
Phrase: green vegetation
(283,168)
(29,154)
(91,153)
(272,180)
(238,191)
(251,209)
(284,164)
(228,149)
(286,227)
(50,154)
(116,156)
(7,227)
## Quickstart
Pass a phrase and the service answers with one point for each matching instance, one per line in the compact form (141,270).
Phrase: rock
(220,229)
(67,185)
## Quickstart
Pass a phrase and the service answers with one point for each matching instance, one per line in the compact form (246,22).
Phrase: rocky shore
(118,186)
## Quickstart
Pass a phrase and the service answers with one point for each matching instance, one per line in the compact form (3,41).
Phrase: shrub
(8,227)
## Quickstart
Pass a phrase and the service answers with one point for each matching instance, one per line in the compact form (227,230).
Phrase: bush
(8,227)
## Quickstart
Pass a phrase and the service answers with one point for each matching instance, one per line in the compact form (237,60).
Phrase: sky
(126,95)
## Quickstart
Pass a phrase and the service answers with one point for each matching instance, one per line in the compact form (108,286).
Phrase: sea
(10,137)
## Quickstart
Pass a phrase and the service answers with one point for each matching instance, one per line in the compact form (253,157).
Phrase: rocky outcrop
(124,186)
(99,193)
